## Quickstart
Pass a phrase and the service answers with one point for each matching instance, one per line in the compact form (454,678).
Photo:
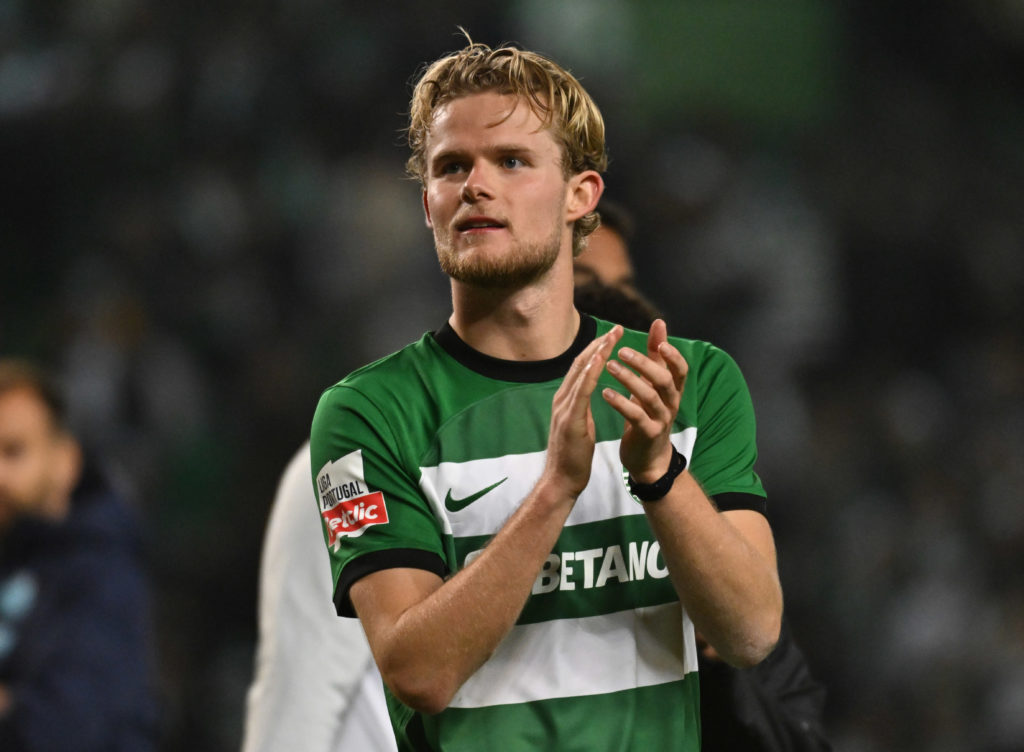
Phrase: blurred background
(205,222)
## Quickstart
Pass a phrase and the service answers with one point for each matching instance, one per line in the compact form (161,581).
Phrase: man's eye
(12,451)
(512,163)
(451,168)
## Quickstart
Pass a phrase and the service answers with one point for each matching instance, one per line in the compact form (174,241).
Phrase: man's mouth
(479,223)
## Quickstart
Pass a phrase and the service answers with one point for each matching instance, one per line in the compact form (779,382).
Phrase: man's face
(36,459)
(495,193)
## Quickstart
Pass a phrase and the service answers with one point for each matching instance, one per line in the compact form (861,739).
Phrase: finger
(589,371)
(642,395)
(600,346)
(633,412)
(660,351)
(592,370)
(581,361)
(657,335)
(661,378)
(676,363)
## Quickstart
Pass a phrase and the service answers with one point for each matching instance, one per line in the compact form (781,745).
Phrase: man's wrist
(659,487)
(553,492)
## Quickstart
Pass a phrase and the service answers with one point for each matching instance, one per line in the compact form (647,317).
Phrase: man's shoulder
(101,515)
(382,373)
(400,390)
(95,554)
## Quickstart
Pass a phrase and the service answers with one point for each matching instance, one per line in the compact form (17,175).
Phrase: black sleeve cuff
(392,558)
(728,502)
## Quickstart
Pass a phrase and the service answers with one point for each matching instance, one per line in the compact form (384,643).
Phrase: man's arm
(722,564)
(429,635)
(723,567)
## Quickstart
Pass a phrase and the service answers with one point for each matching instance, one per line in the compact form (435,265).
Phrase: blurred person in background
(75,660)
(500,611)
(604,280)
(777,705)
(316,687)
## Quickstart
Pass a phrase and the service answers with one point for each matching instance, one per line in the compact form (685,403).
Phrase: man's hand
(655,384)
(572,436)
(408,613)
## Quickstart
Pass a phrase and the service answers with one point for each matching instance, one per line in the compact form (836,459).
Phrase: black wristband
(659,488)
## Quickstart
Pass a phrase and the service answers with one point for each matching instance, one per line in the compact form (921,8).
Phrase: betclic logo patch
(347,506)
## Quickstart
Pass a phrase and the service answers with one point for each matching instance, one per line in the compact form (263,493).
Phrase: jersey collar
(524,371)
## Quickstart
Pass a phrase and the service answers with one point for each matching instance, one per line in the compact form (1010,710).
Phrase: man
(305,649)
(515,592)
(74,629)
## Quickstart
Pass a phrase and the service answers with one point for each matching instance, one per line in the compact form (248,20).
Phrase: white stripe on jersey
(551,659)
(599,500)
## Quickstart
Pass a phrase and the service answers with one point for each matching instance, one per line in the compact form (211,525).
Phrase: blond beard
(524,264)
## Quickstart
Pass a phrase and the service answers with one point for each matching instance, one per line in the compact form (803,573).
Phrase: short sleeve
(726,448)
(372,511)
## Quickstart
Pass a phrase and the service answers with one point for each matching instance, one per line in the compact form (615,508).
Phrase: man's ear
(584,191)
(426,210)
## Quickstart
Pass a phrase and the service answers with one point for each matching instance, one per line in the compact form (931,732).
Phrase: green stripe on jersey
(596,568)
(515,420)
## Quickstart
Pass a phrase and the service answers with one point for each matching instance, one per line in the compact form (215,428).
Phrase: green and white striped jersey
(418,460)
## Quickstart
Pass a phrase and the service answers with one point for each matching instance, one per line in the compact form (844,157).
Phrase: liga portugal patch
(353,516)
(346,505)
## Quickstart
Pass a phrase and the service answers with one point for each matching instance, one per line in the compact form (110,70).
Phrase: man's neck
(536,322)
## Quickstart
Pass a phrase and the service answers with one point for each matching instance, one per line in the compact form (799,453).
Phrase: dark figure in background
(74,623)
(777,705)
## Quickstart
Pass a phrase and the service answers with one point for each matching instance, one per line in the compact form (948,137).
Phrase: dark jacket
(776,706)
(74,630)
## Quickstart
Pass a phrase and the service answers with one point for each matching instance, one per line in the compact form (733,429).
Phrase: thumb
(657,335)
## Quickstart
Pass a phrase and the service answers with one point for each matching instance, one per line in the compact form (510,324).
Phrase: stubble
(524,264)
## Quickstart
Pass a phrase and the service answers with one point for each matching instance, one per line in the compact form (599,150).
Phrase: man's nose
(477,185)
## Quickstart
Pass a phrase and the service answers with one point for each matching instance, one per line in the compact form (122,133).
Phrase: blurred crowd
(206,222)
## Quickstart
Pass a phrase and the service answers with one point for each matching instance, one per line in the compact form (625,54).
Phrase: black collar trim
(523,371)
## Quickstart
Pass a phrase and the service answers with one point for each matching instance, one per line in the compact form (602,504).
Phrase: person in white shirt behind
(316,687)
